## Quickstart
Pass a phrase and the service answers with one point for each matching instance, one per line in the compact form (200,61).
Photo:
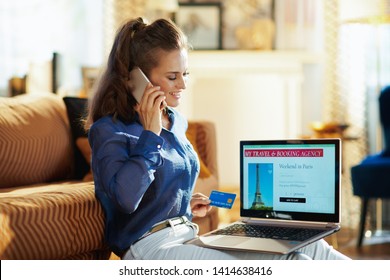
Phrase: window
(31,31)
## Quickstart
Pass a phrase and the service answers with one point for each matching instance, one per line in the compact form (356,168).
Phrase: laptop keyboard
(273,232)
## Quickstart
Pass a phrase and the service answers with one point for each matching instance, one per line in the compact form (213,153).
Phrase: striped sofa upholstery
(51,221)
(44,214)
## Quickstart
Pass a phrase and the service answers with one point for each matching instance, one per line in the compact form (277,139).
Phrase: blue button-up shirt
(141,178)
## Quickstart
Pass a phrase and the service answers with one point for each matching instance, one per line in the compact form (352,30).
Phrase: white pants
(169,244)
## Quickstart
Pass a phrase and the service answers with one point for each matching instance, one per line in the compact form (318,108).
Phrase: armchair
(370,178)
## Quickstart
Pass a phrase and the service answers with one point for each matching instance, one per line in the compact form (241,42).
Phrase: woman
(144,167)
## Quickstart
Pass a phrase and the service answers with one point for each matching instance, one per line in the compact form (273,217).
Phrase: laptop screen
(291,179)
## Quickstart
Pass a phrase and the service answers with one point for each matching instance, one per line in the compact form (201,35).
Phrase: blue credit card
(222,199)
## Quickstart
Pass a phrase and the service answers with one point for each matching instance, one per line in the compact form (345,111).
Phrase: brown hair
(136,44)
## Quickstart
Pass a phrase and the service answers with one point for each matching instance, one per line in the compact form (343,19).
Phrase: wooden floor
(376,247)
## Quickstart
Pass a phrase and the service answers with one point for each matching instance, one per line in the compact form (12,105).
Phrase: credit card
(222,199)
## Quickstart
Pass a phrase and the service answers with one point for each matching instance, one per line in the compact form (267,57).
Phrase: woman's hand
(150,108)
(200,205)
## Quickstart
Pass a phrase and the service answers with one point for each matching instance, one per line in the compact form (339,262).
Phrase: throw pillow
(76,110)
(83,145)
(191,136)
(35,145)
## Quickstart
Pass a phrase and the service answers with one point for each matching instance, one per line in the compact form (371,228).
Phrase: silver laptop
(289,195)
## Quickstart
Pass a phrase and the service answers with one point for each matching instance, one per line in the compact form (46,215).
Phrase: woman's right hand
(150,108)
(200,205)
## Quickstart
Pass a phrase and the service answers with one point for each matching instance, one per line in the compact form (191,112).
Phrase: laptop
(289,196)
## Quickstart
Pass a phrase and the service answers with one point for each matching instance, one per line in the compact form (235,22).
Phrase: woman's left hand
(200,205)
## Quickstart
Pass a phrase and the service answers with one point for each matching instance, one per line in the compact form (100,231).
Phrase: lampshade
(163,5)
(364,11)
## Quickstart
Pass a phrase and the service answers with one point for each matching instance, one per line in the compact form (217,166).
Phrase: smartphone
(138,83)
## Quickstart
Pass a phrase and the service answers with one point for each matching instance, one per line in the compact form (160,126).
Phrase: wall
(249,95)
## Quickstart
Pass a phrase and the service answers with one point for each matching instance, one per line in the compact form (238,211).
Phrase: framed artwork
(90,76)
(202,23)
(249,24)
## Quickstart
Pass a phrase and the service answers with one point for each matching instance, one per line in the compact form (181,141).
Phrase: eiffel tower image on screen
(257,202)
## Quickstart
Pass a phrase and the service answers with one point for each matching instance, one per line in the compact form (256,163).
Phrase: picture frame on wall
(90,75)
(249,24)
(202,23)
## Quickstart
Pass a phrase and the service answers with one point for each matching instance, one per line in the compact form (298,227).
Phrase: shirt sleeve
(124,164)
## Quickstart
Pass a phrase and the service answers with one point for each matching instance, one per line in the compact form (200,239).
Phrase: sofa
(48,208)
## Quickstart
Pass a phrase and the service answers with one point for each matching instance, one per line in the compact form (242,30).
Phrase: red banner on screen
(284,153)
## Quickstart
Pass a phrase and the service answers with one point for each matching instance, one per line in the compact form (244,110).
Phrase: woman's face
(171,75)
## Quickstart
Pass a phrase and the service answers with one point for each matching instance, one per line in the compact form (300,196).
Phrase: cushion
(76,109)
(192,137)
(35,140)
(384,103)
(83,145)
(370,177)
(50,221)
(206,184)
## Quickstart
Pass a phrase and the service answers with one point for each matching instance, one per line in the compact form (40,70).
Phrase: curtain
(358,63)
(363,70)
